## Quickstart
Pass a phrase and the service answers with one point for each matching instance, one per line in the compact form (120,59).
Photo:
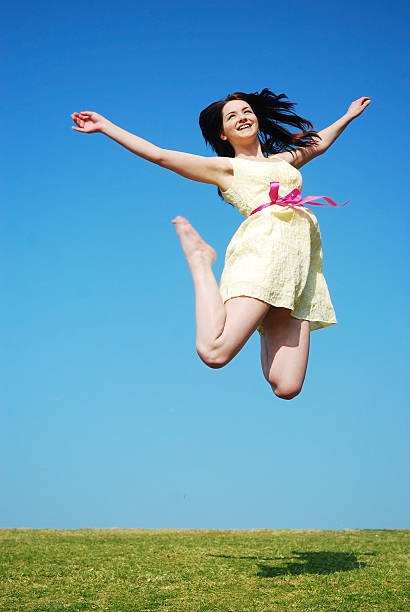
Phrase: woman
(273,267)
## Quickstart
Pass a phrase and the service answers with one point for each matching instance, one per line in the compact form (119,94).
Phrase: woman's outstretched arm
(214,170)
(328,135)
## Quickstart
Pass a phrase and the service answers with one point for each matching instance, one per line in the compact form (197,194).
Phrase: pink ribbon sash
(293,199)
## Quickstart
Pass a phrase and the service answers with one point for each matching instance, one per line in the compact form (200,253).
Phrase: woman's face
(239,123)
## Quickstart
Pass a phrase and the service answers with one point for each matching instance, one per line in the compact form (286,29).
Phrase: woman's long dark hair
(271,111)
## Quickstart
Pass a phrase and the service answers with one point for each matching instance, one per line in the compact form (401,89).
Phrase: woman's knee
(286,394)
(286,390)
(213,357)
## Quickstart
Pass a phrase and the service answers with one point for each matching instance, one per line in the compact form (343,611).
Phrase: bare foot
(192,244)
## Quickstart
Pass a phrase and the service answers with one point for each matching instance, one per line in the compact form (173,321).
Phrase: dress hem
(288,302)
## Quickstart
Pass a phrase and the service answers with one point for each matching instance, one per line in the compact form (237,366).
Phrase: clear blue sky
(108,417)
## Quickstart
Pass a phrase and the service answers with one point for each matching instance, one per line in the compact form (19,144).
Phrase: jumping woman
(272,280)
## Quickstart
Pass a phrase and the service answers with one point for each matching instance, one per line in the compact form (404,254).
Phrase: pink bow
(293,199)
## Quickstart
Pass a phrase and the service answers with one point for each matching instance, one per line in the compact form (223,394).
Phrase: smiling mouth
(244,126)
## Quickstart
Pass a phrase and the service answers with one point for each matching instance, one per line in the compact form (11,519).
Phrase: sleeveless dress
(276,253)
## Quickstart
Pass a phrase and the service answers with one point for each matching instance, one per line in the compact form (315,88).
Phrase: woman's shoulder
(225,162)
(285,155)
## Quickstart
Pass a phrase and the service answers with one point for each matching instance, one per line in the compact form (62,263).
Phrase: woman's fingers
(81,116)
(78,121)
(76,117)
(86,121)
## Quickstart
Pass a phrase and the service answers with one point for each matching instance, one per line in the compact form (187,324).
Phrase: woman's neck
(250,151)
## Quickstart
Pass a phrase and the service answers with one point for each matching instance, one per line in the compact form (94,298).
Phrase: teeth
(244,126)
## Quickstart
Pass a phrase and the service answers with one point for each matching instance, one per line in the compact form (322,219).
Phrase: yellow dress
(276,253)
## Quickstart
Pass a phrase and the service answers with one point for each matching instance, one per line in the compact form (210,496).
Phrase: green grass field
(204,570)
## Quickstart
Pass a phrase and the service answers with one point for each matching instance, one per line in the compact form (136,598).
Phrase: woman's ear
(222,136)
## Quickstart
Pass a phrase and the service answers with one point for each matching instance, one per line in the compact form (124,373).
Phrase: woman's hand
(357,107)
(89,122)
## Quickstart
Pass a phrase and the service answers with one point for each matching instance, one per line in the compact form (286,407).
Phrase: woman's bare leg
(221,329)
(285,352)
